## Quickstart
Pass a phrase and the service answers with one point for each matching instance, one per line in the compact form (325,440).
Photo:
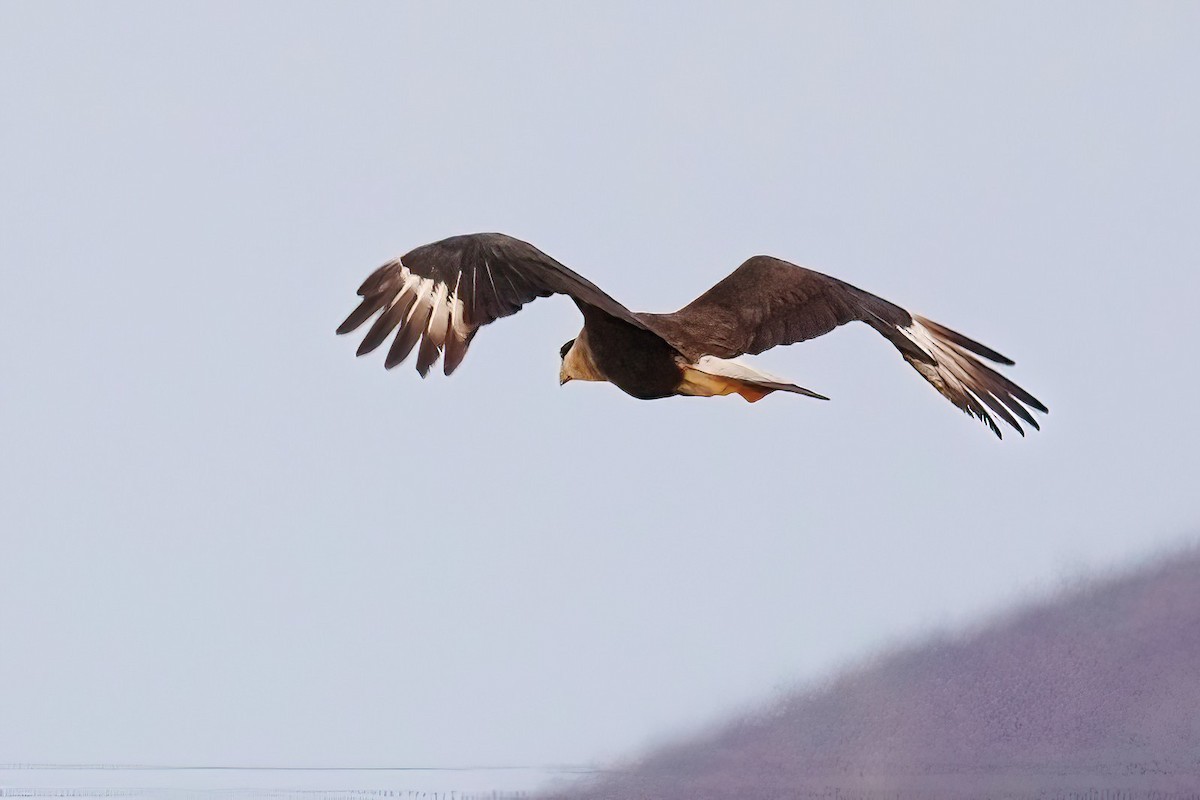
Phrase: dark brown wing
(440,294)
(768,302)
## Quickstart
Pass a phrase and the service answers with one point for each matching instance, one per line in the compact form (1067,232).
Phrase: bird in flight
(439,295)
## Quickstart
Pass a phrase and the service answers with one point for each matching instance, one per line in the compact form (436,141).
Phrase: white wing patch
(427,311)
(920,337)
(963,379)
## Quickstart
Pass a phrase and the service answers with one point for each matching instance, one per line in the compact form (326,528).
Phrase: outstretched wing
(768,302)
(441,294)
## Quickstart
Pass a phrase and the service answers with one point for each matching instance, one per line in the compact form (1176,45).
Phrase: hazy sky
(226,540)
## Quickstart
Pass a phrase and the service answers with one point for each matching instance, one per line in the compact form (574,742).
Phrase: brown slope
(1097,689)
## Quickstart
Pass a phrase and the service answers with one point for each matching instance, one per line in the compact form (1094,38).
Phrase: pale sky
(225,540)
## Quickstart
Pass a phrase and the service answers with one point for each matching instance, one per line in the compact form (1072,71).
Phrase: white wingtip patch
(921,338)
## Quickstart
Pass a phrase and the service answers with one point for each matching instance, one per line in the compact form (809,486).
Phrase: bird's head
(564,374)
(577,362)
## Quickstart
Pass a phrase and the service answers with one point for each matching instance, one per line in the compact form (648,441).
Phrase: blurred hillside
(1093,694)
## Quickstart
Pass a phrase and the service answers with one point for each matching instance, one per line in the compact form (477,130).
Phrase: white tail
(711,376)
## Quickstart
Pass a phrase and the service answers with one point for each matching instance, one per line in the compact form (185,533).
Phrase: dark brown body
(638,362)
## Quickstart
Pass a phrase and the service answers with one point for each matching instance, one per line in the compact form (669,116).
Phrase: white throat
(577,364)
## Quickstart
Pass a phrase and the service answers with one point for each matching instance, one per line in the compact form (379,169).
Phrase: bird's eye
(562,351)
